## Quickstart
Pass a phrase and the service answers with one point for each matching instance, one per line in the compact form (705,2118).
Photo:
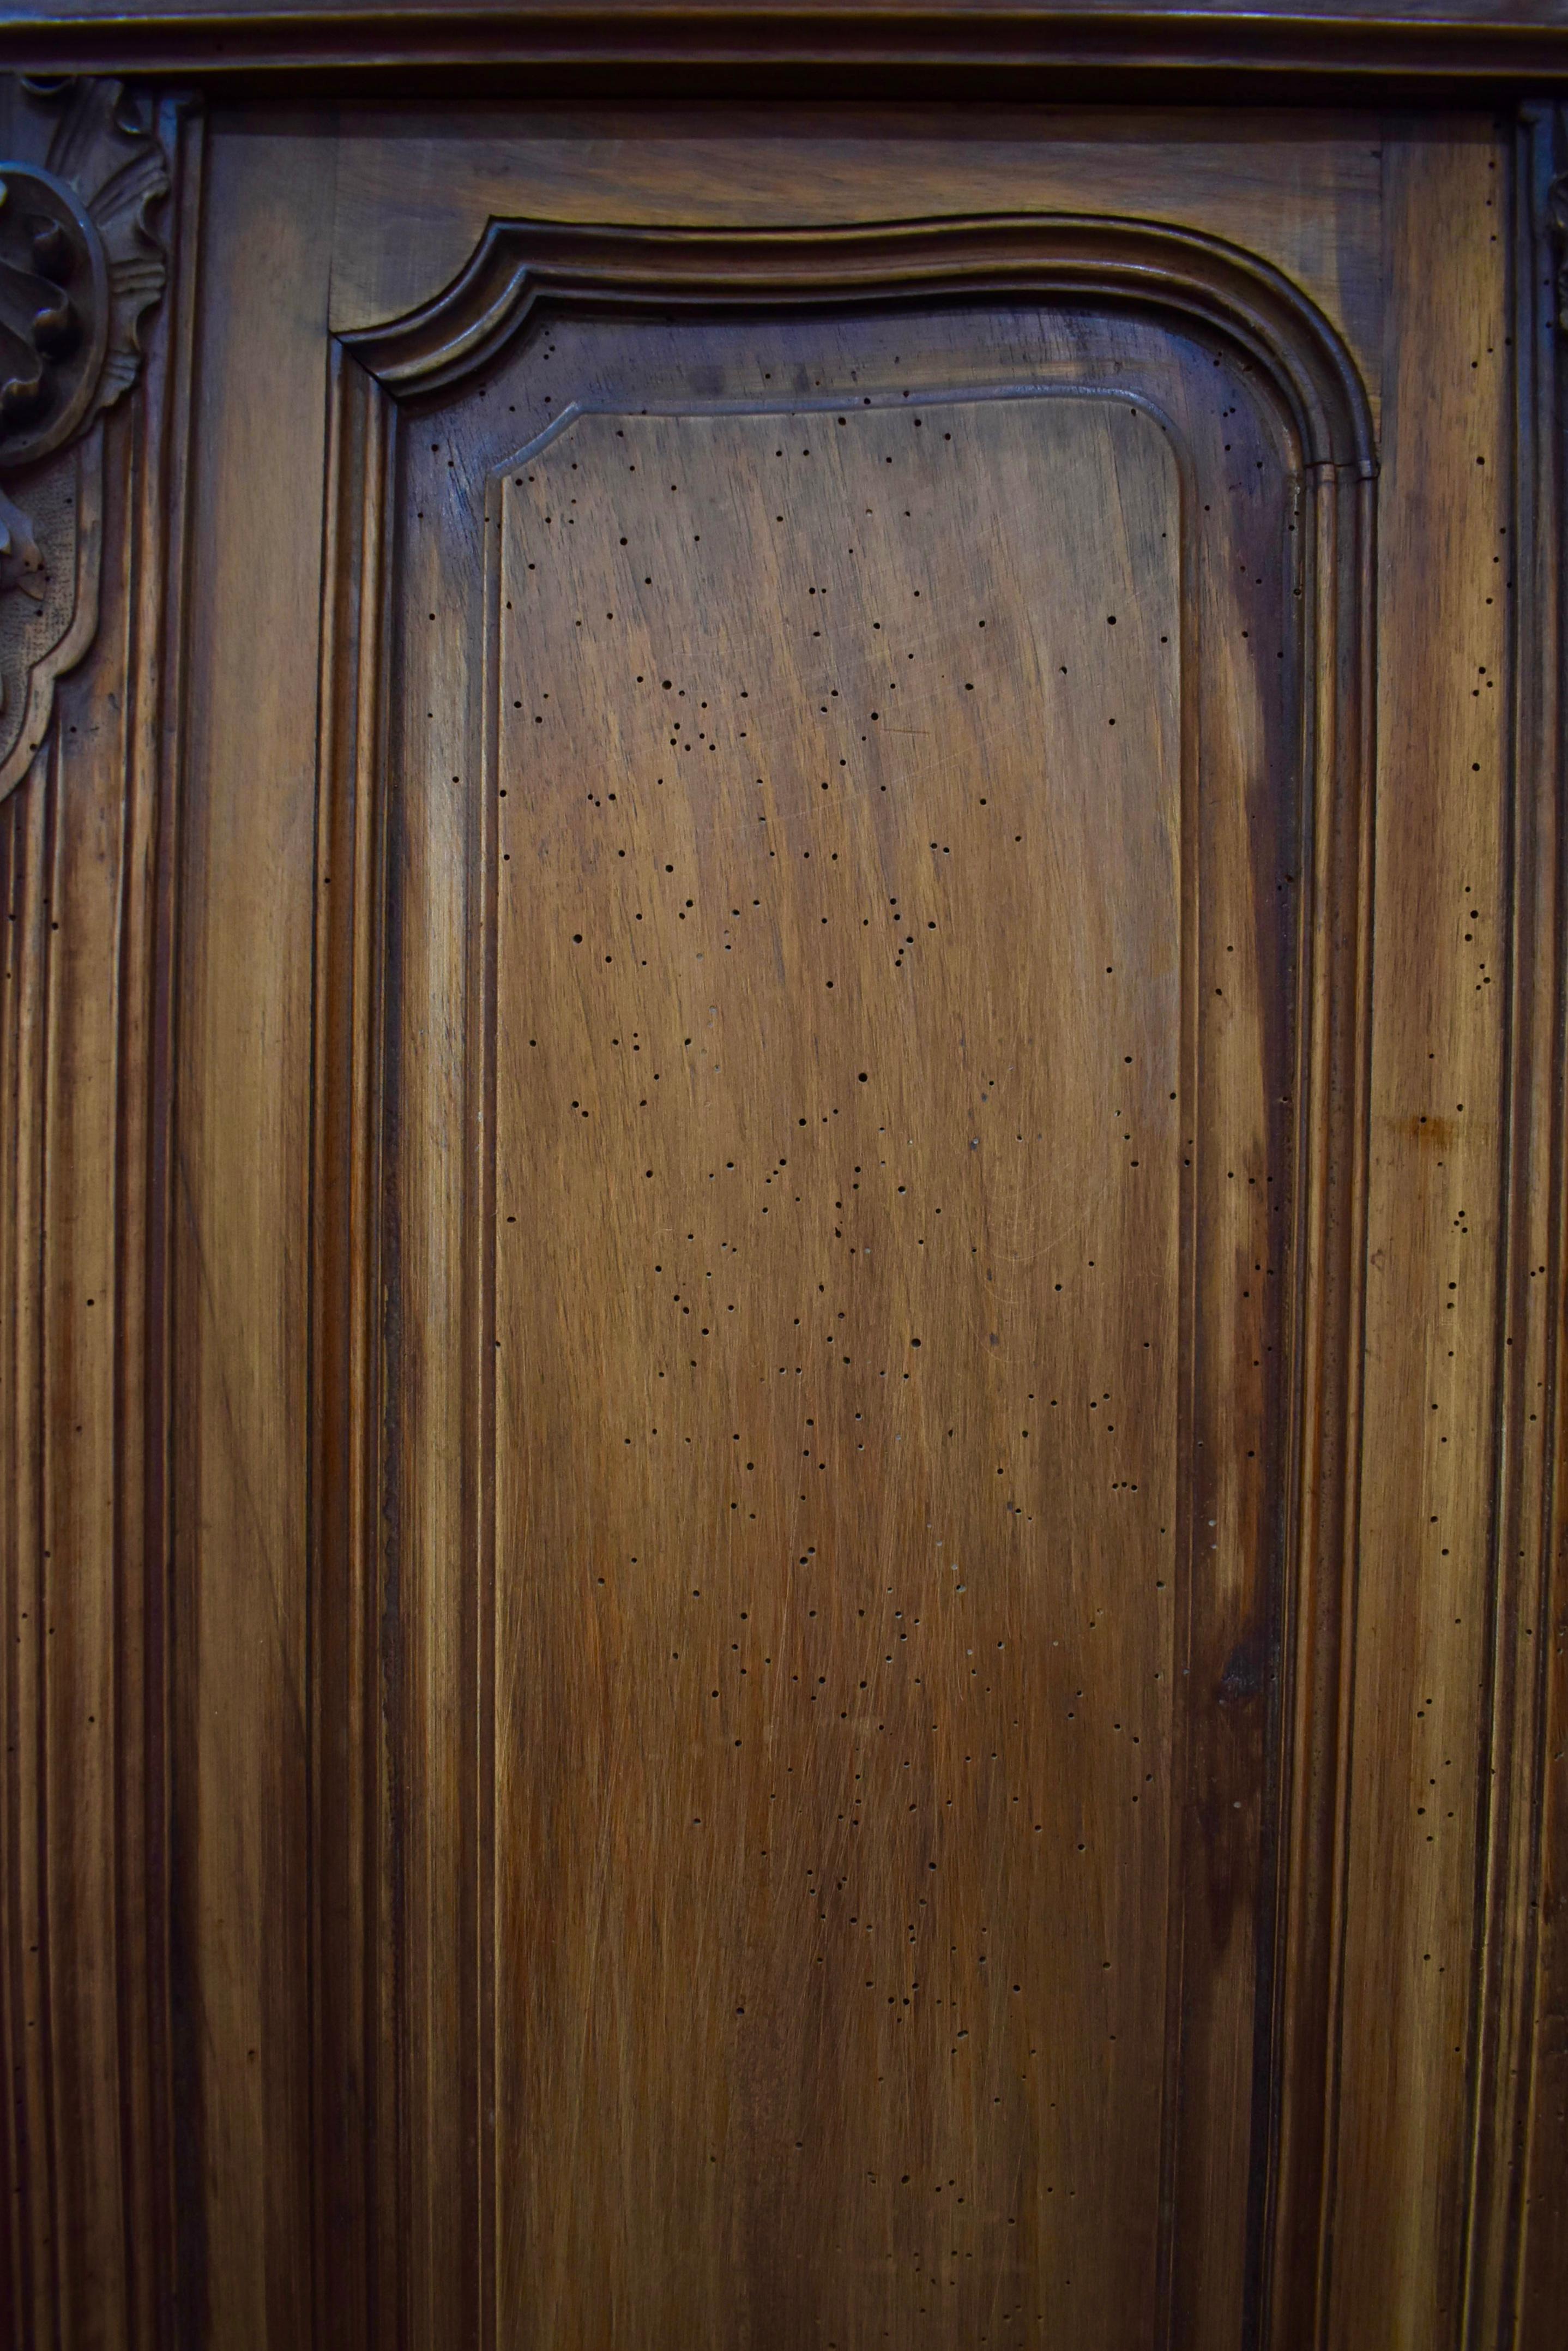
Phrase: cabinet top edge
(953,48)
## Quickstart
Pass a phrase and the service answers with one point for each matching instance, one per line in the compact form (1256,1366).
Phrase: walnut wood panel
(241,1269)
(609,1863)
(913,1221)
(396,1947)
(1437,1177)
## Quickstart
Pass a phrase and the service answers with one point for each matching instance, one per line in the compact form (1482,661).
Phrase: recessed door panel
(838,1466)
(842,945)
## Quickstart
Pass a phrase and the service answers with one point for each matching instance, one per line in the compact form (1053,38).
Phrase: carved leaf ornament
(81,172)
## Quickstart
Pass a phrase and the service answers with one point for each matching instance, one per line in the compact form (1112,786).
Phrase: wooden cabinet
(781,1218)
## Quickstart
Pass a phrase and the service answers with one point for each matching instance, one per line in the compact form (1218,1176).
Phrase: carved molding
(523,273)
(1362,51)
(81,172)
(520,263)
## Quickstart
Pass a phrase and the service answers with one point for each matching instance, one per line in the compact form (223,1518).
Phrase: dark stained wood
(86,2244)
(971,48)
(782,1189)
(412,201)
(241,1267)
(1437,1075)
(1518,2270)
(1214,971)
(1508,2249)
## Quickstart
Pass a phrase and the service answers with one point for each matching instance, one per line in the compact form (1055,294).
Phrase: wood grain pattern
(917,1769)
(1438,1045)
(437,1401)
(416,186)
(240,1265)
(517,1825)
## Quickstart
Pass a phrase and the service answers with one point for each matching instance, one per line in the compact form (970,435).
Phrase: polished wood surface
(1474,51)
(916,1183)
(781,1244)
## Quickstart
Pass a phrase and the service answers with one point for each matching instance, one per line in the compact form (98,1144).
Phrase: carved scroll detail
(81,172)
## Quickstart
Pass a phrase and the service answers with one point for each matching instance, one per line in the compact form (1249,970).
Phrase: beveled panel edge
(1221,289)
(353,2157)
(481,1270)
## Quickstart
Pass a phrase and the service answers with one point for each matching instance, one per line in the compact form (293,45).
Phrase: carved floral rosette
(82,174)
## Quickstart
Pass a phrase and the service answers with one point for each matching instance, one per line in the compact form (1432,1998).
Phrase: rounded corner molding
(521,263)
(81,173)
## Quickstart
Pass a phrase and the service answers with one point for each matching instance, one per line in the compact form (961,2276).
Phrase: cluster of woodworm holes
(698,733)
